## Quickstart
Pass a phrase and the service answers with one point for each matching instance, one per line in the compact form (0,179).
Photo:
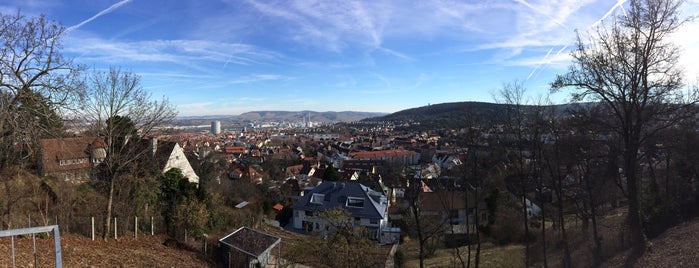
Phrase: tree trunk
(597,253)
(597,249)
(108,215)
(567,262)
(416,214)
(543,234)
(478,233)
(468,231)
(526,228)
(555,172)
(638,239)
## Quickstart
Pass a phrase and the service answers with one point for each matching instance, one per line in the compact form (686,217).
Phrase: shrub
(399,259)
(508,226)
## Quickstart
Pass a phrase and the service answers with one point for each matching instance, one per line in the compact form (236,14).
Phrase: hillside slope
(460,114)
(676,247)
(80,251)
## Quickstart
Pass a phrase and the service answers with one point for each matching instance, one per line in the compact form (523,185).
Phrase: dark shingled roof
(336,193)
(250,241)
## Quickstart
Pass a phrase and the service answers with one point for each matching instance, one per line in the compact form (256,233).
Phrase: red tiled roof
(294,169)
(380,154)
(234,149)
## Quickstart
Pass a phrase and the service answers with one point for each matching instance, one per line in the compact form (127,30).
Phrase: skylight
(317,199)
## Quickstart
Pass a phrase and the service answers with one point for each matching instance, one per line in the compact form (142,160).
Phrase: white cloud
(257,78)
(191,53)
(331,25)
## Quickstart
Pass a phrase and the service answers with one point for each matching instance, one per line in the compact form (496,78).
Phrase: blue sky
(233,56)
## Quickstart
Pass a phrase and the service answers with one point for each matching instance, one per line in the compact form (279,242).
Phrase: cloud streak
(387,53)
(548,59)
(182,52)
(257,78)
(101,13)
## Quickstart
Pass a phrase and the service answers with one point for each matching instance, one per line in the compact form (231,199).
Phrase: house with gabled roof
(73,159)
(168,155)
(368,207)
(70,159)
(455,209)
(245,173)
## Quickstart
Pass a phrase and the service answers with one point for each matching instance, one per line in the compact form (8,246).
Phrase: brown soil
(79,251)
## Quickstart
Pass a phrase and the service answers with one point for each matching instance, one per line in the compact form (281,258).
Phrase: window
(74,161)
(317,199)
(355,202)
(454,216)
(309,213)
(374,221)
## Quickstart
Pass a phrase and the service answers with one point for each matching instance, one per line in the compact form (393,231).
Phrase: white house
(169,155)
(368,207)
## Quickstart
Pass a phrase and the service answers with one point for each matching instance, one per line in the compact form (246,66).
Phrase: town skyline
(228,58)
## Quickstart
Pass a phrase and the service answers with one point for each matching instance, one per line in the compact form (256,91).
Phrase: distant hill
(455,114)
(274,116)
(324,117)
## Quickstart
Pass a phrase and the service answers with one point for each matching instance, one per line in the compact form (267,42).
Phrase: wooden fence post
(115,228)
(135,227)
(93,228)
(152,228)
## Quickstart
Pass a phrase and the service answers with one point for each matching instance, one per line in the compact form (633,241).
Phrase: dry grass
(79,251)
(676,247)
(491,255)
(512,255)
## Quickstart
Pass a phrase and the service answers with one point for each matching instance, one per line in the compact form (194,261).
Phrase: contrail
(538,66)
(619,4)
(109,9)
(525,3)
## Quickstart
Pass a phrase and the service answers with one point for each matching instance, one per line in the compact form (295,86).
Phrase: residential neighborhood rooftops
(380,154)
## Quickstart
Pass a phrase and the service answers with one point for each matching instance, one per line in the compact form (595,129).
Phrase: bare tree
(121,110)
(631,67)
(344,243)
(37,84)
(512,95)
(428,229)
